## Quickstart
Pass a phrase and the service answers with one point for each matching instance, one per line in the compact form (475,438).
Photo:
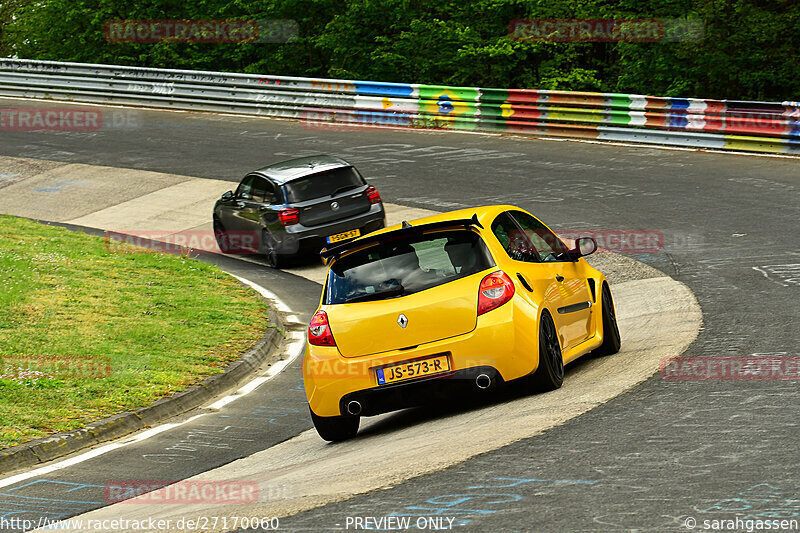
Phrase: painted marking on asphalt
(295,348)
(783,275)
(94,453)
(762,501)
(274,412)
(476,502)
(14,502)
(59,186)
(515,481)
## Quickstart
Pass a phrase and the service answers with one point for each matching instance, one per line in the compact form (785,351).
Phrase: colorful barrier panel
(690,122)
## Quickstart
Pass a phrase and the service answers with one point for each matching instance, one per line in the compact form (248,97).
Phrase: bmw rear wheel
(335,428)
(611,338)
(273,258)
(222,237)
(550,374)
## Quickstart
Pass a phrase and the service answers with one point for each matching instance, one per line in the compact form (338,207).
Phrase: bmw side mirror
(227,195)
(585,246)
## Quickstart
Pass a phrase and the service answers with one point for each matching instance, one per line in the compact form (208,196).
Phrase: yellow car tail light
(319,331)
(496,289)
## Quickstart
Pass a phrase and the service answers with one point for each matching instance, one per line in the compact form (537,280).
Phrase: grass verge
(88,330)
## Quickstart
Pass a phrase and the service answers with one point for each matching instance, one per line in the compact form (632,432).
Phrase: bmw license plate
(344,236)
(413,369)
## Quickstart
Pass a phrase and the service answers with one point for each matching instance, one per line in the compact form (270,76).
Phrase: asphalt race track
(650,459)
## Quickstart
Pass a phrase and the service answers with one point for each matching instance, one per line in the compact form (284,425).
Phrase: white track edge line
(295,349)
(249,387)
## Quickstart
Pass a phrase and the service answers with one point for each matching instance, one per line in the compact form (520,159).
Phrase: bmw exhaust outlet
(483,382)
(354,408)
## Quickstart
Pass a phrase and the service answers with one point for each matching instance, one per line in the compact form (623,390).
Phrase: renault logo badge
(402,321)
(335,206)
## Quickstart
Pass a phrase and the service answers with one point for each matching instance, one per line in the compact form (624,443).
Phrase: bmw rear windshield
(328,183)
(404,266)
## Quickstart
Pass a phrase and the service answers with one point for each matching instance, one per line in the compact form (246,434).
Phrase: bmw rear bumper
(299,239)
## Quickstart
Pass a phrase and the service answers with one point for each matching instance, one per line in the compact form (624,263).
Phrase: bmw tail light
(319,331)
(496,289)
(289,216)
(373,195)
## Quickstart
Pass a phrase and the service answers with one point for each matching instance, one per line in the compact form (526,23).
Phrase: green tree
(10,10)
(748,50)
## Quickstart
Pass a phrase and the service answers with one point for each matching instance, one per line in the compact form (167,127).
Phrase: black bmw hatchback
(297,207)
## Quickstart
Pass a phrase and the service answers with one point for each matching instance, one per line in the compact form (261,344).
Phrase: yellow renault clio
(473,297)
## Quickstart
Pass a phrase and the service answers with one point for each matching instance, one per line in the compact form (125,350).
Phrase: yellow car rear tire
(550,374)
(335,428)
(611,339)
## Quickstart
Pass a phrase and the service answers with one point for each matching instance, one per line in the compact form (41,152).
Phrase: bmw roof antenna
(406,224)
(474,221)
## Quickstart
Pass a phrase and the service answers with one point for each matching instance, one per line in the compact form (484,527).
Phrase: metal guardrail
(700,123)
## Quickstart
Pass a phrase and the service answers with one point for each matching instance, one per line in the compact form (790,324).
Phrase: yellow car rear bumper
(504,342)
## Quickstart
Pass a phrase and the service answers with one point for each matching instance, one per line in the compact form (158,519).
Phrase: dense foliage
(749,49)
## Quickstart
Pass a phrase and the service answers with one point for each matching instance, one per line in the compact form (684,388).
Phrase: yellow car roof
(485,214)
